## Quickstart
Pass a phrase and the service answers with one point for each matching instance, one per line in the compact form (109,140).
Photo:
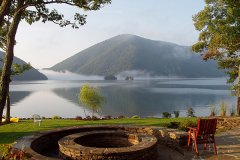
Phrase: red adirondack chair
(203,134)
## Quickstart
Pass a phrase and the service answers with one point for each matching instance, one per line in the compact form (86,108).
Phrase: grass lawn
(11,132)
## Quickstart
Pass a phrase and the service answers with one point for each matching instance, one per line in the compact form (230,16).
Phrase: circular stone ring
(101,145)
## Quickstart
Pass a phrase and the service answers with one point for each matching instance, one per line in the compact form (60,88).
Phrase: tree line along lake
(146,97)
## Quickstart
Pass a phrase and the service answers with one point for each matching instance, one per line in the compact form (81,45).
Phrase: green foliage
(56,117)
(18,69)
(223,109)
(91,98)
(176,114)
(121,117)
(232,111)
(174,125)
(185,124)
(166,115)
(135,116)
(213,111)
(35,11)
(7,152)
(190,112)
(218,24)
(3,34)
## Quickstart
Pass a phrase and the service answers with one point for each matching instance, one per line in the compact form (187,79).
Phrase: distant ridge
(31,74)
(129,52)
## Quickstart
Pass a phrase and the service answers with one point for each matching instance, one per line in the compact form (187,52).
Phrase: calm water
(138,97)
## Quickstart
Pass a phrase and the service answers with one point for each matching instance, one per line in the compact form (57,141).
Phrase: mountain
(31,74)
(134,53)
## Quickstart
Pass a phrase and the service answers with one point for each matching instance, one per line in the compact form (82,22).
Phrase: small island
(110,77)
(129,78)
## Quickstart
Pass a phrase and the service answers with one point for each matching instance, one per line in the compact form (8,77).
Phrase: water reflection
(144,98)
(19,96)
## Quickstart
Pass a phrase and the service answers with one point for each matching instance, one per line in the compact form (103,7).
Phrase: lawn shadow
(11,137)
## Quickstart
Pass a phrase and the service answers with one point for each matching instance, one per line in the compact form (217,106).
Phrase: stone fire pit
(99,145)
(127,142)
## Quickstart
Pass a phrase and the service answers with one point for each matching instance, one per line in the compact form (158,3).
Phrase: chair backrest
(36,117)
(206,127)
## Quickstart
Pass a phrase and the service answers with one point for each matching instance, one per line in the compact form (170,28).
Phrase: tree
(90,97)
(13,11)
(4,10)
(17,69)
(190,112)
(219,38)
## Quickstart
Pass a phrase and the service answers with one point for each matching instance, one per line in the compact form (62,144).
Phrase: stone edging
(228,123)
(34,145)
(142,146)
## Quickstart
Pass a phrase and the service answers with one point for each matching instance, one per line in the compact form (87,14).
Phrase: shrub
(9,153)
(56,117)
(213,111)
(174,125)
(88,118)
(135,116)
(185,124)
(176,114)
(190,112)
(223,109)
(121,117)
(166,115)
(168,125)
(78,118)
(232,111)
(95,118)
(107,117)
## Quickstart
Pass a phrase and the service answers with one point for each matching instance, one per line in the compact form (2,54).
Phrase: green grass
(11,132)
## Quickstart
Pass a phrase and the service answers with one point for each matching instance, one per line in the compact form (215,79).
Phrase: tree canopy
(219,38)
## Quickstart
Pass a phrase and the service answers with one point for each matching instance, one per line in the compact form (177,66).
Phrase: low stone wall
(104,145)
(228,123)
(173,138)
(38,144)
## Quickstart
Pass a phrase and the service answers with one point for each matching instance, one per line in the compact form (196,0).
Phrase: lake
(149,97)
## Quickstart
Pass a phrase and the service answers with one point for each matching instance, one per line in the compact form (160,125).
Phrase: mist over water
(138,97)
(142,75)
(67,75)
(136,74)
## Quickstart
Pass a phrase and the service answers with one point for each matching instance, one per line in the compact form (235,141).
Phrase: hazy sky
(44,45)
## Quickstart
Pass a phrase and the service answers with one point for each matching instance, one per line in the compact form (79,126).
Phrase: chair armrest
(192,130)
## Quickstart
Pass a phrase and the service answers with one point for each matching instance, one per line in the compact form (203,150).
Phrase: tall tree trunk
(4,8)
(6,71)
(8,108)
(238,96)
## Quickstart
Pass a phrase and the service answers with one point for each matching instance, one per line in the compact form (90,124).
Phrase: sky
(46,44)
